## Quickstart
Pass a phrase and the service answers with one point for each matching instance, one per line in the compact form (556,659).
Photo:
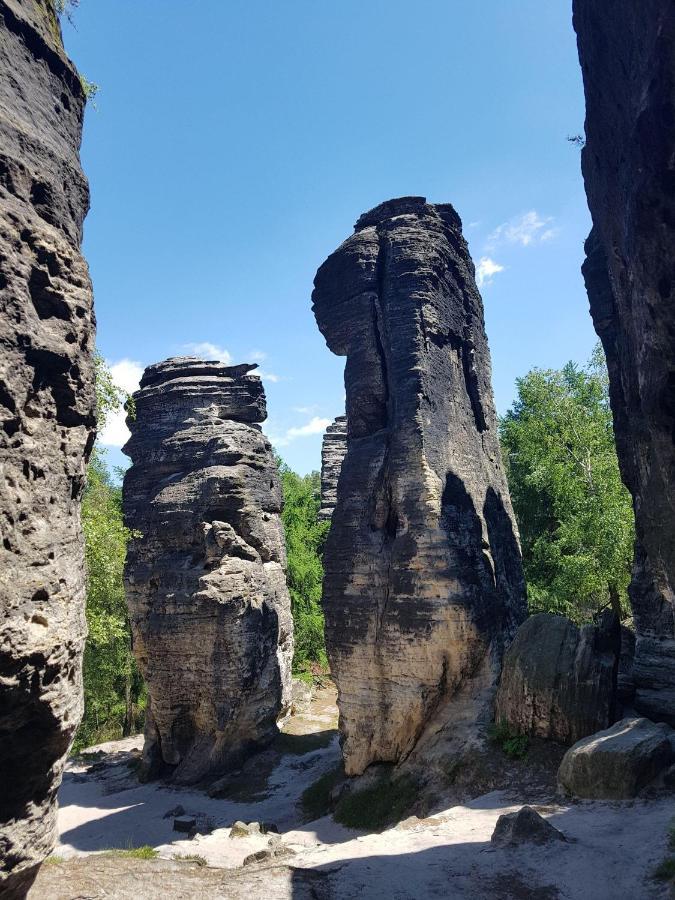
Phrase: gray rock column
(46,428)
(333,450)
(210,611)
(423,581)
(628,63)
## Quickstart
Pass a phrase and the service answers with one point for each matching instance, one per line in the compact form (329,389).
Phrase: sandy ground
(612,848)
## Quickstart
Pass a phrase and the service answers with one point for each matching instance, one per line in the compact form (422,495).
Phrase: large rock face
(207,595)
(628,64)
(333,450)
(46,428)
(423,582)
(559,681)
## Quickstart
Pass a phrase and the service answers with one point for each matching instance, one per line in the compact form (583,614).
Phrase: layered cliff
(628,64)
(46,428)
(423,581)
(209,607)
(333,450)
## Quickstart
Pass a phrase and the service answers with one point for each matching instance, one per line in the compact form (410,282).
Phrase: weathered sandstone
(559,681)
(628,64)
(210,611)
(423,582)
(46,428)
(333,450)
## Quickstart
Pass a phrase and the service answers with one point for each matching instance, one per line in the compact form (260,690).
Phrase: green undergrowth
(299,744)
(665,871)
(144,852)
(513,744)
(382,803)
(316,799)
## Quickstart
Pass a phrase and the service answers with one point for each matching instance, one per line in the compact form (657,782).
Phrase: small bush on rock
(514,745)
(373,808)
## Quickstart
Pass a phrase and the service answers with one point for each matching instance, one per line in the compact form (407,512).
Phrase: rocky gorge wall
(46,428)
(628,65)
(423,581)
(333,450)
(210,610)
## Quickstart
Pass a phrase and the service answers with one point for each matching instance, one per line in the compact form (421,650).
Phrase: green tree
(113,689)
(305,537)
(574,513)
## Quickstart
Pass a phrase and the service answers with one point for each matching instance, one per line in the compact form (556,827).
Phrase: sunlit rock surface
(46,428)
(210,611)
(423,581)
(333,450)
(628,64)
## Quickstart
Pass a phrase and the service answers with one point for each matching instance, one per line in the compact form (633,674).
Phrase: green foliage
(665,871)
(316,799)
(305,537)
(144,852)
(514,745)
(114,697)
(574,514)
(375,807)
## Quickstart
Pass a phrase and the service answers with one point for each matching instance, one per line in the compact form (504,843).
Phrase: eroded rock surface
(423,582)
(628,64)
(210,610)
(559,681)
(333,450)
(525,826)
(617,763)
(46,428)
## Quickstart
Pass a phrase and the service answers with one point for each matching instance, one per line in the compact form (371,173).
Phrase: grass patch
(53,860)
(144,852)
(191,857)
(299,744)
(514,745)
(665,871)
(316,799)
(375,807)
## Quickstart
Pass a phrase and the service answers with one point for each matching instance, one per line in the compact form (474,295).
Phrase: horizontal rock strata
(46,428)
(559,681)
(333,450)
(210,611)
(628,64)
(423,583)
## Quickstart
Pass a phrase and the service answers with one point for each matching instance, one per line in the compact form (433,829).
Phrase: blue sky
(235,142)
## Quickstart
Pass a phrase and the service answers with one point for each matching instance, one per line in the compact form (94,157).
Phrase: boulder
(47,426)
(628,66)
(333,450)
(559,681)
(423,582)
(209,606)
(525,826)
(617,763)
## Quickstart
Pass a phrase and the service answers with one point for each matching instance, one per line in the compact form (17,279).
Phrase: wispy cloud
(527,229)
(256,355)
(269,376)
(486,269)
(127,375)
(207,350)
(316,425)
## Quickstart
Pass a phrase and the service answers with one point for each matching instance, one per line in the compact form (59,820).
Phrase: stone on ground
(525,826)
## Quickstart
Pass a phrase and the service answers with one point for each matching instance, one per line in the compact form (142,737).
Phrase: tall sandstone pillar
(46,428)
(210,611)
(423,580)
(333,450)
(627,58)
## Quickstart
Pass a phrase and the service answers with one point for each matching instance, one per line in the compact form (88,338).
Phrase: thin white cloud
(305,410)
(256,355)
(269,376)
(127,375)
(316,425)
(527,229)
(486,270)
(207,350)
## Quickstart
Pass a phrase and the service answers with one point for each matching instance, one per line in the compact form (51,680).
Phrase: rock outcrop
(628,64)
(333,450)
(423,583)
(525,826)
(210,611)
(617,763)
(558,681)
(46,428)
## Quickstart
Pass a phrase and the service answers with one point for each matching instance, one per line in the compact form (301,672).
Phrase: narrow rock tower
(333,450)
(628,65)
(423,580)
(46,428)
(209,607)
